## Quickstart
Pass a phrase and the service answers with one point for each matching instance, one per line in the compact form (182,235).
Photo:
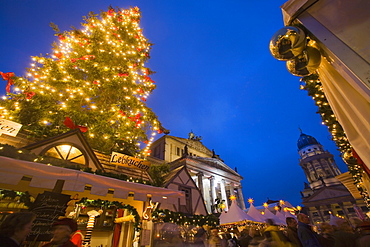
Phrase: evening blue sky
(214,74)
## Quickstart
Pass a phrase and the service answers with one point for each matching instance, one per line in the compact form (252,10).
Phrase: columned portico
(232,192)
(223,194)
(213,190)
(200,182)
(241,197)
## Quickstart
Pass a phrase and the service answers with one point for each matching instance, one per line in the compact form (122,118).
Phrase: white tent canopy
(235,214)
(281,217)
(269,215)
(255,214)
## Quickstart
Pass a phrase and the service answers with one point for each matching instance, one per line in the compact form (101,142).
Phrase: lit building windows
(66,152)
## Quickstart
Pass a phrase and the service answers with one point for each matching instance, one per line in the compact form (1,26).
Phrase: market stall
(38,179)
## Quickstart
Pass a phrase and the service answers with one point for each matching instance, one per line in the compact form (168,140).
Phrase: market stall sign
(128,161)
(48,207)
(9,127)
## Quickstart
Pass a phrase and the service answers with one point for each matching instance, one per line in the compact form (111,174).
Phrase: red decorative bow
(8,77)
(122,113)
(136,119)
(110,12)
(58,55)
(29,95)
(69,123)
(147,78)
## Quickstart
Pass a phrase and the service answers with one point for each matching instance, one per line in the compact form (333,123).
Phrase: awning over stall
(45,176)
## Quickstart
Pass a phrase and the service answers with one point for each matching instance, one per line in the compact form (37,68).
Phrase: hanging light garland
(313,86)
(303,58)
(84,202)
(165,215)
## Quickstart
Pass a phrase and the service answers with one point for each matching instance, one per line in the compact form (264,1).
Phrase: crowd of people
(298,233)
(16,227)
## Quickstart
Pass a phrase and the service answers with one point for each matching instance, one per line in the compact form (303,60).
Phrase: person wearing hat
(364,238)
(62,230)
(15,228)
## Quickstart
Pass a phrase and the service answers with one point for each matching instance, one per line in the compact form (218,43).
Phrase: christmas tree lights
(95,79)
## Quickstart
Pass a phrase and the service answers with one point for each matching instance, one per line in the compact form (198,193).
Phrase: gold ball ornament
(306,63)
(288,43)
(347,155)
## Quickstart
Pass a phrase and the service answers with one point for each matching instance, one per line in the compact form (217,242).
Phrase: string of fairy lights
(313,86)
(295,45)
(97,77)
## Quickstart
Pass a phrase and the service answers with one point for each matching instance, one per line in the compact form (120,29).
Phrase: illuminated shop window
(66,152)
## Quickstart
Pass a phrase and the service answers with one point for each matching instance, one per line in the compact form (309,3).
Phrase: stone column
(344,210)
(232,193)
(200,183)
(213,191)
(207,195)
(241,197)
(223,194)
(320,213)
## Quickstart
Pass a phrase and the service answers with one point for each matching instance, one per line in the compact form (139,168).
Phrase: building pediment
(210,166)
(195,144)
(327,193)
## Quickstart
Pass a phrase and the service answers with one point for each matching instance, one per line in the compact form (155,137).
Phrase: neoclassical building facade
(216,180)
(325,194)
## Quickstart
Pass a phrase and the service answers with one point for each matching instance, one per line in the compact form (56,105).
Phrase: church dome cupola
(306,140)
(318,165)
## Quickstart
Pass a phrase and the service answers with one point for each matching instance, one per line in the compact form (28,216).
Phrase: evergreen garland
(313,86)
(118,205)
(165,215)
(22,197)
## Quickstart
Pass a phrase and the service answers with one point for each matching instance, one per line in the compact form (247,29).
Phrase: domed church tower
(318,165)
(324,194)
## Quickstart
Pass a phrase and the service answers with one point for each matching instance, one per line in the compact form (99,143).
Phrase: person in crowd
(230,241)
(364,230)
(215,240)
(77,238)
(267,241)
(62,231)
(273,236)
(306,235)
(199,238)
(236,236)
(292,231)
(326,235)
(256,237)
(345,236)
(244,238)
(15,228)
(355,222)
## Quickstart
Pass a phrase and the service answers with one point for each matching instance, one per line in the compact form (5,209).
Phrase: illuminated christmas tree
(94,79)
